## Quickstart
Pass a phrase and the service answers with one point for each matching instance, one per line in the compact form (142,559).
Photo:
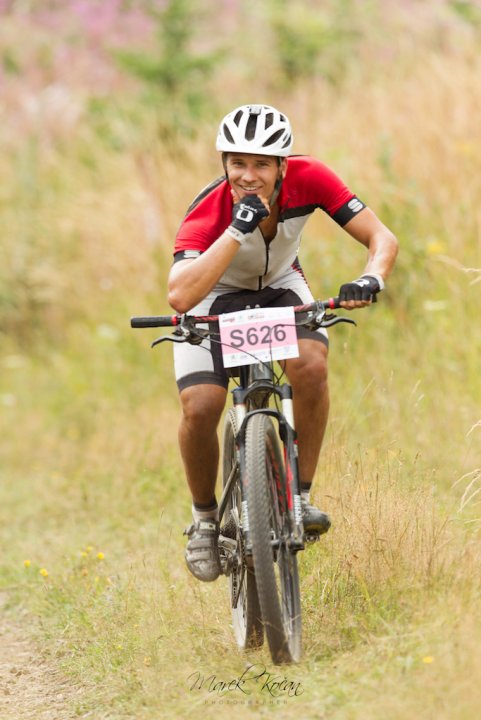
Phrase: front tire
(246,613)
(275,563)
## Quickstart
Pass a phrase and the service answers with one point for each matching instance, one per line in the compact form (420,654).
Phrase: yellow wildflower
(44,572)
(100,556)
(435,247)
(428,659)
(27,563)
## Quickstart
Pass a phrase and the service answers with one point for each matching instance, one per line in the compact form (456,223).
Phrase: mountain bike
(260,508)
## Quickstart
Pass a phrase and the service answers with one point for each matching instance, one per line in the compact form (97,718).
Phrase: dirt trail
(31,687)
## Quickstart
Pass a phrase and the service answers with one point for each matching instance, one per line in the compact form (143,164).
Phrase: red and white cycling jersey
(308,184)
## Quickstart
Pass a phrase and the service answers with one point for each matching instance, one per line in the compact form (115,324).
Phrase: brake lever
(330,320)
(182,335)
(169,338)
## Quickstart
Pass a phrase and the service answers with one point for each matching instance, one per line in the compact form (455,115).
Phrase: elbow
(177,303)
(389,244)
(178,300)
(394,246)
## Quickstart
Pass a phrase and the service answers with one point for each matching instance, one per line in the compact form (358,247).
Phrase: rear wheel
(275,563)
(246,613)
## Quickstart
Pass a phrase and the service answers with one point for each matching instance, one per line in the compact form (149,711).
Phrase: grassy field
(92,496)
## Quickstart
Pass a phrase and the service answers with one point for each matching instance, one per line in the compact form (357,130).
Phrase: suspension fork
(288,436)
(291,461)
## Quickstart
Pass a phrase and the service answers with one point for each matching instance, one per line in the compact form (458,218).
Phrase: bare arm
(191,280)
(381,244)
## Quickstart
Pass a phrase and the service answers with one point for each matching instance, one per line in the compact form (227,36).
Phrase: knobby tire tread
(262,448)
(249,630)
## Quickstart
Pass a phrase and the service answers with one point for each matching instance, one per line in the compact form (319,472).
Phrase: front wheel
(246,613)
(275,563)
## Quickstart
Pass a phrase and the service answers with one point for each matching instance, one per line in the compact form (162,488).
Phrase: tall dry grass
(89,206)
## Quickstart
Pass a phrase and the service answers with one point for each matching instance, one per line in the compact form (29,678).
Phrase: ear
(283,168)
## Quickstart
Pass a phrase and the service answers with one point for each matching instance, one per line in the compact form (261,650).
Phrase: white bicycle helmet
(257,129)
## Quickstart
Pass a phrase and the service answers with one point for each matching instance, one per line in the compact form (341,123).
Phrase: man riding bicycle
(237,247)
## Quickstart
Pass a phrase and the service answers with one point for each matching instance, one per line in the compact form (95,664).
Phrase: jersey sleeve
(205,221)
(324,189)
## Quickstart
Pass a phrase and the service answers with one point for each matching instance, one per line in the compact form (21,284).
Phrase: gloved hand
(246,216)
(364,289)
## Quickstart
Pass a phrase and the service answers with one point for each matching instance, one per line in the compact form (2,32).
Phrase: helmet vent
(228,134)
(237,118)
(269,120)
(251,127)
(273,138)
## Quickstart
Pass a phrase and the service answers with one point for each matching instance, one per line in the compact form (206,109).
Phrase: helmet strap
(275,194)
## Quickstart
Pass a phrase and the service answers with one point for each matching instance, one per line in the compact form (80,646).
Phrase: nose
(249,173)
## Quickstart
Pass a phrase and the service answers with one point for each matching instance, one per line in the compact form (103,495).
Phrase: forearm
(382,252)
(191,280)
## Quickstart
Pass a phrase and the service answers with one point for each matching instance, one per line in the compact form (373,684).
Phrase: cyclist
(237,246)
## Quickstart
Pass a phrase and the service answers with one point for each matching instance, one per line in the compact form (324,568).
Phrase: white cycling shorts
(202,364)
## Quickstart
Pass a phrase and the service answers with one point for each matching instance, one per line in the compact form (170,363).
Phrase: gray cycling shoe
(202,551)
(314,520)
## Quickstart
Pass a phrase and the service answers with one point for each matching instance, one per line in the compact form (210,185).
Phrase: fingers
(354,304)
(265,201)
(235,195)
(237,198)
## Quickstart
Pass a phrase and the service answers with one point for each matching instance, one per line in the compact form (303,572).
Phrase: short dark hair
(226,153)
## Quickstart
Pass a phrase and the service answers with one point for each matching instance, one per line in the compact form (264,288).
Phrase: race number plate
(260,334)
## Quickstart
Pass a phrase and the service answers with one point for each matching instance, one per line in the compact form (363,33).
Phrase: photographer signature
(254,677)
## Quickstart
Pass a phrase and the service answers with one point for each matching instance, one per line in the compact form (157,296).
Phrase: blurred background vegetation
(109,115)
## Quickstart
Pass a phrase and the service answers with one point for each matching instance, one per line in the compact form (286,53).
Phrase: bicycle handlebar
(174,320)
(155,321)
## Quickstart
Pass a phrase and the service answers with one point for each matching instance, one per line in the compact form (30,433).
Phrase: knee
(310,370)
(202,406)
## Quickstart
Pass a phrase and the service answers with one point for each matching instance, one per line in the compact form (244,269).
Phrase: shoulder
(307,168)
(206,218)
(209,195)
(312,183)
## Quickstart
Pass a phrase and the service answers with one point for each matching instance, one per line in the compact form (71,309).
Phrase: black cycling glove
(364,288)
(246,216)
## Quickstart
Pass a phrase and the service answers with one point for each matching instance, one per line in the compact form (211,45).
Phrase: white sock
(305,496)
(212,514)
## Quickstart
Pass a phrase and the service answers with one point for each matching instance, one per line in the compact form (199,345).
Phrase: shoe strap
(206,525)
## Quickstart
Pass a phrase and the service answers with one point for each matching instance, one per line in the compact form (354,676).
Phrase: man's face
(253,174)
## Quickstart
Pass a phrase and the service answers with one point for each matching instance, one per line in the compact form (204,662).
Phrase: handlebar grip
(154,321)
(332,303)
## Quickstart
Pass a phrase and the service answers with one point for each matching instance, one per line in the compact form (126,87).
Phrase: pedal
(311,536)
